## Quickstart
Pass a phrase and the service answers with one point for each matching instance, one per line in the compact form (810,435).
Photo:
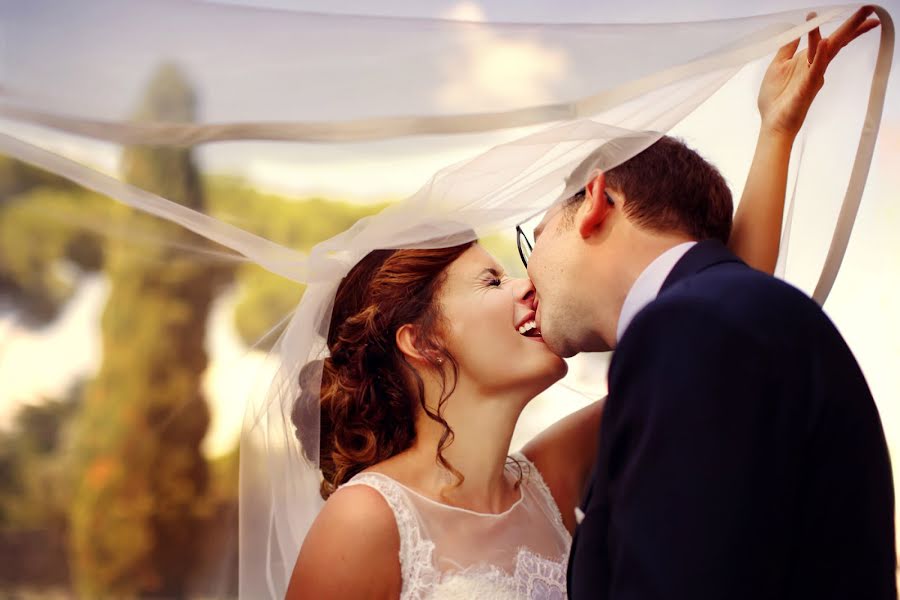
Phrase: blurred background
(125,362)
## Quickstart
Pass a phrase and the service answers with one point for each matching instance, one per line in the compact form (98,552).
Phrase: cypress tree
(139,505)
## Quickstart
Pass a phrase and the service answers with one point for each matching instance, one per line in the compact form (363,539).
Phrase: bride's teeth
(526,327)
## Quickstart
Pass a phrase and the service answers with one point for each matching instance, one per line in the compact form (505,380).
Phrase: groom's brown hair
(669,186)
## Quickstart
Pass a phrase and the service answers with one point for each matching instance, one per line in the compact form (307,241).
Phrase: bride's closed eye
(493,278)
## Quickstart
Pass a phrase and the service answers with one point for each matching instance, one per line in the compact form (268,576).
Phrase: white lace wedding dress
(449,552)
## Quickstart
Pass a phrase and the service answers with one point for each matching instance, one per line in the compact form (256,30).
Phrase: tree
(140,504)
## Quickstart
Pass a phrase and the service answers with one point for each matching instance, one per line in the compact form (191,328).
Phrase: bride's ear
(595,207)
(406,341)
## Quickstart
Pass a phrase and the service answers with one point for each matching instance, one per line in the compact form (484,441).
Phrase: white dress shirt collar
(646,287)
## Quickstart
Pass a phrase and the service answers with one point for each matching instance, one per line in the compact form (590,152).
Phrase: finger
(868,25)
(820,63)
(787,51)
(844,33)
(814,37)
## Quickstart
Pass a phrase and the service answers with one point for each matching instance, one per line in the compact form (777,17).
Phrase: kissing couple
(738,454)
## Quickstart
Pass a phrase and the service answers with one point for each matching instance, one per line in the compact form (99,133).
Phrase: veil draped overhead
(514,116)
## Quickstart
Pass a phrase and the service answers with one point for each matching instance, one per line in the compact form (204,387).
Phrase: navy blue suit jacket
(741,454)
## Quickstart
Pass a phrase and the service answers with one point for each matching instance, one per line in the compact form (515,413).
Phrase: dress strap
(533,478)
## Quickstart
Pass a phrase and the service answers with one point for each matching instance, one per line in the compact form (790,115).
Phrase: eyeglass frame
(522,236)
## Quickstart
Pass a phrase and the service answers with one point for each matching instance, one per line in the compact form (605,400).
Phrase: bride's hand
(794,78)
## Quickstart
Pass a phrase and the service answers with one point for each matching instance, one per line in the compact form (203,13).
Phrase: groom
(741,453)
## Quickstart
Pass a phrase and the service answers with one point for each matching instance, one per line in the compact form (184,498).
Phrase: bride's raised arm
(788,89)
(565,451)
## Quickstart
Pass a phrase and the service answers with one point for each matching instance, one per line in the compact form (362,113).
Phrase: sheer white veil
(265,75)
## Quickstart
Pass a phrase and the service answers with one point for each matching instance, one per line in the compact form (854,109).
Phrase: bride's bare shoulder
(355,535)
(353,510)
(353,503)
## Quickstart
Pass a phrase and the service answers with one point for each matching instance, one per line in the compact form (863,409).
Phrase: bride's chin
(557,367)
(563,368)
(552,374)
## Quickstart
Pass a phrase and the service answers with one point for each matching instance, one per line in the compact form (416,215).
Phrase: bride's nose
(523,291)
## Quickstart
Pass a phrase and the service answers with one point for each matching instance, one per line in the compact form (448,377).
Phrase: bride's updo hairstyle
(370,395)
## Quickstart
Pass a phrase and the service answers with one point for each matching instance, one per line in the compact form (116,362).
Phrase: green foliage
(264,299)
(45,243)
(298,224)
(33,244)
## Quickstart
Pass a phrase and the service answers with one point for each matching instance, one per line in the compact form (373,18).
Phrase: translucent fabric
(449,552)
(518,116)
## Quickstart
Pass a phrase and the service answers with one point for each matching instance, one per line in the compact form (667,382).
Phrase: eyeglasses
(525,245)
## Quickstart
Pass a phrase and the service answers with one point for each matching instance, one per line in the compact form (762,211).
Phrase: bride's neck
(482,431)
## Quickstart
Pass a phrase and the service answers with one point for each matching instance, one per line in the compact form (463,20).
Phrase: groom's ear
(595,207)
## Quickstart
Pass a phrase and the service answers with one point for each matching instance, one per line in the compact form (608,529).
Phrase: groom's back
(830,461)
(741,450)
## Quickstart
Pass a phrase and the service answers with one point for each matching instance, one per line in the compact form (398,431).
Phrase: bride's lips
(528,317)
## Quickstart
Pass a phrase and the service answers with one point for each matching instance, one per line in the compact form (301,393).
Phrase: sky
(862,303)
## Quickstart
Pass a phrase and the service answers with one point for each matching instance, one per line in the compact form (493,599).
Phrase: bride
(433,356)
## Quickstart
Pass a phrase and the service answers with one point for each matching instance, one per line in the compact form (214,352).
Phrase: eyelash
(494,282)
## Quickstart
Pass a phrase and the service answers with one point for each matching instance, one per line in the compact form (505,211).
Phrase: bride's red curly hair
(369,394)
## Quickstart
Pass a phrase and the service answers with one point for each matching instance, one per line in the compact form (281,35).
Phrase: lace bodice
(448,552)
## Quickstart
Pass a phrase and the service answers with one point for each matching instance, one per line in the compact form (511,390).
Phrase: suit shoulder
(744,297)
(748,310)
